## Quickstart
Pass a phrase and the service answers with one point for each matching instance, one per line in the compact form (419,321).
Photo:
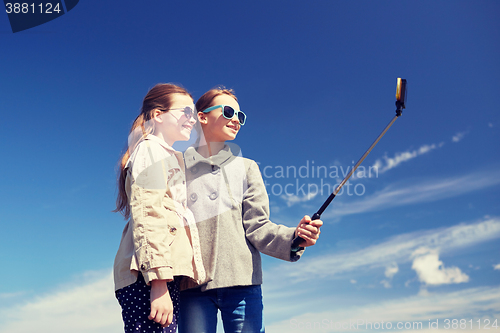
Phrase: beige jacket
(161,239)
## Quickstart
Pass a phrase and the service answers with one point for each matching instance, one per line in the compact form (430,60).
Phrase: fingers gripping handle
(298,240)
(316,216)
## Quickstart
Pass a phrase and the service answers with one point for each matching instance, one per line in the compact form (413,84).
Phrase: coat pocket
(172,232)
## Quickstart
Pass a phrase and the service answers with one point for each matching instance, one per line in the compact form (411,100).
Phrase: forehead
(180,100)
(226,100)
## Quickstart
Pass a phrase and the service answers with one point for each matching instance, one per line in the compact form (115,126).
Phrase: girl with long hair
(160,243)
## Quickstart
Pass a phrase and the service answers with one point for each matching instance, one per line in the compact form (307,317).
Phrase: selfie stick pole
(400,105)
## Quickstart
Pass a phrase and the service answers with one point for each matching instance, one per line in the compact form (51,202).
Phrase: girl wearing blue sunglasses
(227,196)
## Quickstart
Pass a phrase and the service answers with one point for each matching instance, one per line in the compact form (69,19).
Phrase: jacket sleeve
(267,237)
(153,215)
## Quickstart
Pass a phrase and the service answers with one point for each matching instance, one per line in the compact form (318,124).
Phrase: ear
(202,118)
(156,116)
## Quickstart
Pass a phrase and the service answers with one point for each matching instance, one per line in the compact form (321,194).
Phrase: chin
(186,135)
(231,135)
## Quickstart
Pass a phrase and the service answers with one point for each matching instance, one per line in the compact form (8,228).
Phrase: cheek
(215,124)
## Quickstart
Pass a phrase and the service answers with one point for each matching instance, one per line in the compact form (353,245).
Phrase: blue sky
(416,242)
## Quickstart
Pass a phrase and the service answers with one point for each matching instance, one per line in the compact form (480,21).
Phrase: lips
(233,127)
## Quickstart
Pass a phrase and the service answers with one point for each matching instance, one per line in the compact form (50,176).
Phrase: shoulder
(148,153)
(242,163)
(246,169)
(152,150)
(250,165)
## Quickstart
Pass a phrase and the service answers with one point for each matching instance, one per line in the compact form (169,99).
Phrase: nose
(235,121)
(235,117)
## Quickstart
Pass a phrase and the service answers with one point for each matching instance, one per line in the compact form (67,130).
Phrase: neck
(160,135)
(207,149)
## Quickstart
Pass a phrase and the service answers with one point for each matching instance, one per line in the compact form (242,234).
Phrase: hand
(162,309)
(308,230)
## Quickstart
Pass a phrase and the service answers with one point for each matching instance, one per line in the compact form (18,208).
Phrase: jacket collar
(161,142)
(192,157)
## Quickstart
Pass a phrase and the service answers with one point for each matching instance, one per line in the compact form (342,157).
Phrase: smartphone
(401,92)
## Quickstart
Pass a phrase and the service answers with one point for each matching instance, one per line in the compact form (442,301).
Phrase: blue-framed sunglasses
(228,113)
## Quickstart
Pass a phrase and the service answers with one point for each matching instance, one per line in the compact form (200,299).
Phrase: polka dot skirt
(136,306)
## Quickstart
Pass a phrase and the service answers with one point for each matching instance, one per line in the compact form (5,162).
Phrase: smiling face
(215,127)
(174,125)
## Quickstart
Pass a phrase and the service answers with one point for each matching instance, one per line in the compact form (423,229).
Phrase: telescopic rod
(400,105)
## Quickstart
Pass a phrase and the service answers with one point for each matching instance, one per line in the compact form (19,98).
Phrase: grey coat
(229,201)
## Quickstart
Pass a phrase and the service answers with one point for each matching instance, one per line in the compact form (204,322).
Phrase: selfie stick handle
(400,105)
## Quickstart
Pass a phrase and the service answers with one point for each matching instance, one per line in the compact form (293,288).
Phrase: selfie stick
(400,105)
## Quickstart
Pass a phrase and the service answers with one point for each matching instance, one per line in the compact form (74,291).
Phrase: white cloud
(496,267)
(391,162)
(431,271)
(293,199)
(398,249)
(458,137)
(416,312)
(386,284)
(87,307)
(391,270)
(92,306)
(422,191)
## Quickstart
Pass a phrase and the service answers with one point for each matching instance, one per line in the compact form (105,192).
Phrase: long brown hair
(158,98)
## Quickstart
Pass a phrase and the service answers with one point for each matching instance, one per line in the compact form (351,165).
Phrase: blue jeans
(241,310)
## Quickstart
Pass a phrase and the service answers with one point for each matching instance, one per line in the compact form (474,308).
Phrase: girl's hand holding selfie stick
(305,231)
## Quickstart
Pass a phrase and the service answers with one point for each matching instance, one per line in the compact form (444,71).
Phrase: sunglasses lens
(188,111)
(229,114)
(241,118)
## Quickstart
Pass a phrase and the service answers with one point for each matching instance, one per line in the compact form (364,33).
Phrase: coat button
(193,197)
(194,170)
(143,267)
(214,195)
(173,230)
